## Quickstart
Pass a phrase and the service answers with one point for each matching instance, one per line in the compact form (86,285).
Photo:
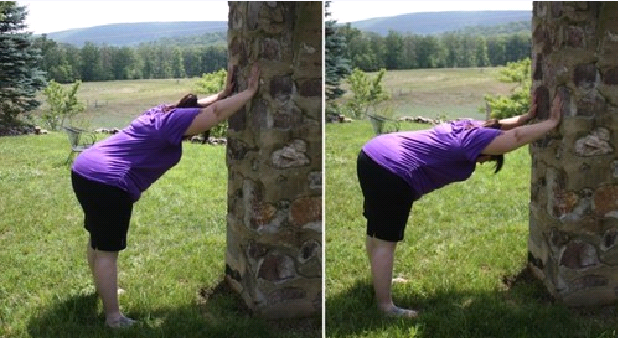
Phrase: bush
(63,104)
(518,102)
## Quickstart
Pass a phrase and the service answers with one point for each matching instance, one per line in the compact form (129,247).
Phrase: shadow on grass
(218,312)
(521,307)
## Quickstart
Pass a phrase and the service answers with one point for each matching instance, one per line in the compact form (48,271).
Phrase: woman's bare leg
(105,265)
(381,256)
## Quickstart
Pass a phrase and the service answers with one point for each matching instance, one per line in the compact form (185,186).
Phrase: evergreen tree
(20,76)
(336,66)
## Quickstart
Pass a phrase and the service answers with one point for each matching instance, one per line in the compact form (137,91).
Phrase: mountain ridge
(438,22)
(132,34)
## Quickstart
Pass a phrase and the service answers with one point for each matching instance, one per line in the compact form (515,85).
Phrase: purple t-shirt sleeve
(174,124)
(474,140)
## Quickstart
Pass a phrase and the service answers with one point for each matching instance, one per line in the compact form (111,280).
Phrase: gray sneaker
(121,322)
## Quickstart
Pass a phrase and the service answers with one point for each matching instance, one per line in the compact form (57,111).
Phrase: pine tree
(336,65)
(20,76)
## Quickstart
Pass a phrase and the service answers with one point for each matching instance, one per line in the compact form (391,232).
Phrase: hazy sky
(348,11)
(54,16)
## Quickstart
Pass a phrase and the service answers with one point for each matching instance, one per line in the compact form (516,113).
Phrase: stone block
(543,102)
(591,104)
(311,87)
(260,114)
(606,201)
(287,117)
(270,49)
(236,149)
(286,294)
(292,155)
(610,76)
(276,267)
(236,47)
(595,144)
(281,87)
(309,259)
(588,282)
(315,180)
(579,255)
(585,75)
(575,37)
(306,210)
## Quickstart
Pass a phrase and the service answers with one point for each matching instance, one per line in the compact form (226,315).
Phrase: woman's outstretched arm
(522,135)
(223,109)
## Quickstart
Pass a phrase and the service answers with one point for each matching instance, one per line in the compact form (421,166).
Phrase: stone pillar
(274,157)
(574,186)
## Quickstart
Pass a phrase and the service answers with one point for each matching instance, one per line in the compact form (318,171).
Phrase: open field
(171,269)
(115,103)
(435,92)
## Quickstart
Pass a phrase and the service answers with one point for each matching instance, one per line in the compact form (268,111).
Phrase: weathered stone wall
(574,188)
(274,156)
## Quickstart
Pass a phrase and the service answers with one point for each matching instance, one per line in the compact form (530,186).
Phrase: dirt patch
(526,278)
(222,289)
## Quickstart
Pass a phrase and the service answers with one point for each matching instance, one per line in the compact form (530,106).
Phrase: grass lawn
(462,262)
(171,269)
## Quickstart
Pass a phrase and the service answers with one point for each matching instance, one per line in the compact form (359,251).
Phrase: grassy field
(462,262)
(432,93)
(171,269)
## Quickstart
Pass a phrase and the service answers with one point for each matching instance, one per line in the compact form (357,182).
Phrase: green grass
(461,243)
(175,253)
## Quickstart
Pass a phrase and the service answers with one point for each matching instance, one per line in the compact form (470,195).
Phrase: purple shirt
(430,159)
(139,154)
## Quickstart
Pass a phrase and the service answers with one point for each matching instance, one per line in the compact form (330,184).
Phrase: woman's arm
(522,135)
(520,120)
(515,121)
(223,109)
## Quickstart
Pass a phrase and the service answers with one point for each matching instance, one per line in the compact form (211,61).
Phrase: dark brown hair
(187,101)
(499,159)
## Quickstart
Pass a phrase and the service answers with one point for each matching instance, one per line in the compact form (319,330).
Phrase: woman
(109,177)
(394,170)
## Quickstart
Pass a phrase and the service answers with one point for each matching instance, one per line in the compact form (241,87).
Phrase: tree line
(66,63)
(371,52)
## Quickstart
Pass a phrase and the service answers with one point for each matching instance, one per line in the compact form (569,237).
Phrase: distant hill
(438,22)
(130,34)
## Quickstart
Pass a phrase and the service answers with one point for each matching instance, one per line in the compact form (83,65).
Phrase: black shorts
(387,200)
(107,212)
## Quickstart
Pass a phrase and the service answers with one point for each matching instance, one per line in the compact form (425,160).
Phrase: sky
(54,16)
